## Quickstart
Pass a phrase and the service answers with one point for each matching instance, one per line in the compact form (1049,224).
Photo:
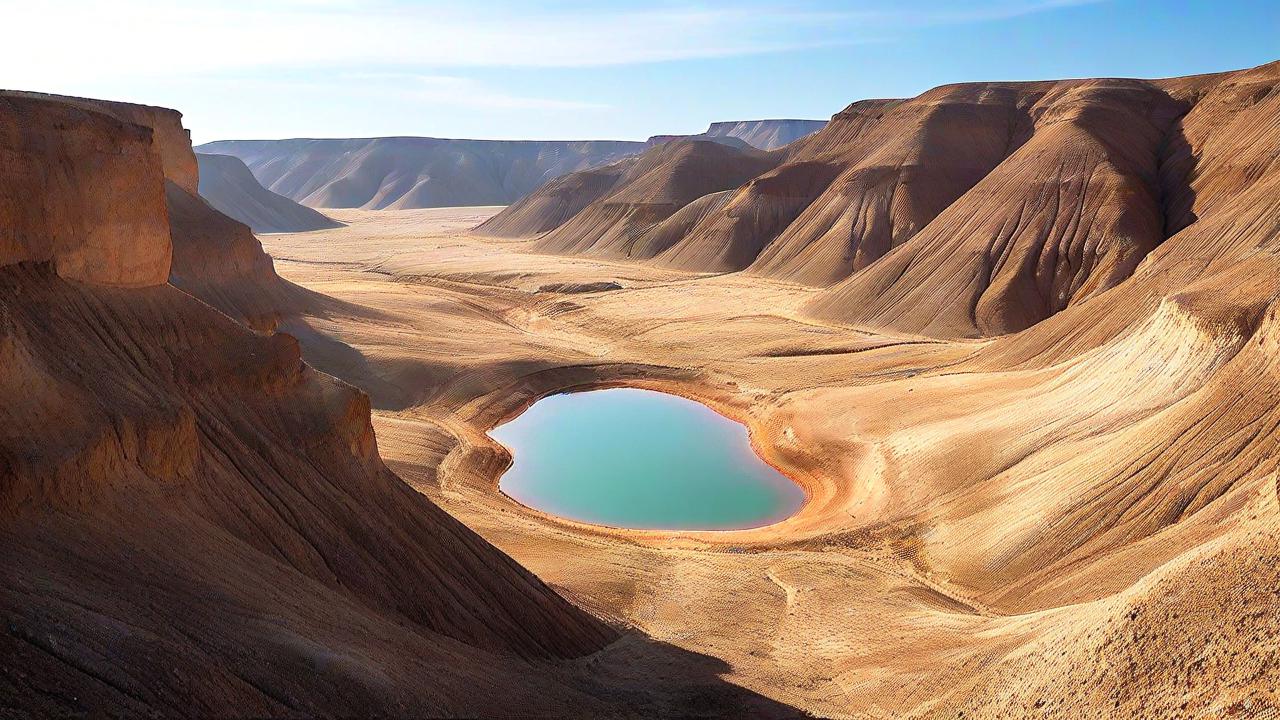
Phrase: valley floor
(866,603)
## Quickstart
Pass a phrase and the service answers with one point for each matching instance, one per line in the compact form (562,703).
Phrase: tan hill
(214,257)
(413,172)
(760,134)
(973,209)
(625,210)
(227,185)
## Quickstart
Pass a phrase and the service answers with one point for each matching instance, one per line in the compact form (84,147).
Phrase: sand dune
(227,185)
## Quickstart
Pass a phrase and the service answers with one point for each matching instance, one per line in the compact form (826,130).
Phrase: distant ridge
(399,173)
(760,134)
(414,172)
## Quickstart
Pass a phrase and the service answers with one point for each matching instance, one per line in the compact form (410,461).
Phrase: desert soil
(836,611)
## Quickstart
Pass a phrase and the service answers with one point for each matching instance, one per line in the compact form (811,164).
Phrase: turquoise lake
(641,459)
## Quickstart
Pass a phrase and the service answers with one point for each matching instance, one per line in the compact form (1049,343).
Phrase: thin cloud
(84,39)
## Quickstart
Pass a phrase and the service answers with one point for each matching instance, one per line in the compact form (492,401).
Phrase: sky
(570,69)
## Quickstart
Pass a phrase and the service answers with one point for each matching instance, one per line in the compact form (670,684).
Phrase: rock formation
(972,210)
(70,196)
(273,565)
(214,257)
(227,185)
(625,208)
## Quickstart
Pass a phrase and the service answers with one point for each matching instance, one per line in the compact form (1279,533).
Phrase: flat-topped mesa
(759,134)
(214,257)
(88,198)
(172,140)
(401,173)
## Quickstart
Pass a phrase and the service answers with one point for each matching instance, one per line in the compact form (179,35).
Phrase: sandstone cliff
(71,196)
(192,520)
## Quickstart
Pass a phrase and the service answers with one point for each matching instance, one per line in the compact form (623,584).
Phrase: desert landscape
(1017,343)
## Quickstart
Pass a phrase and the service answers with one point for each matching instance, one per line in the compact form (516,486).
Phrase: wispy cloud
(148,38)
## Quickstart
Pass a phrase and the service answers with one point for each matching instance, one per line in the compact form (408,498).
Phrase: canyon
(1017,342)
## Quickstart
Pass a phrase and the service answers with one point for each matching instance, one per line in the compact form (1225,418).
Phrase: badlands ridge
(1019,342)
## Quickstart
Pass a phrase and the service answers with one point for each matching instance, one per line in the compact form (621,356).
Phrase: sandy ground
(847,608)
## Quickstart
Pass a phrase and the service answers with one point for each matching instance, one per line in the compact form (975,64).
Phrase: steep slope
(972,210)
(654,187)
(1069,213)
(192,520)
(227,185)
(409,172)
(557,202)
(623,206)
(215,258)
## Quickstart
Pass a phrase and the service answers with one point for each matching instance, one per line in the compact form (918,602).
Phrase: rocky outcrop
(172,141)
(228,186)
(214,257)
(72,182)
(192,520)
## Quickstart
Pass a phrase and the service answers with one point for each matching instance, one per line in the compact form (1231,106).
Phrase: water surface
(641,459)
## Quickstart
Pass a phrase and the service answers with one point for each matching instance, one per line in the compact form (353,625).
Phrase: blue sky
(586,70)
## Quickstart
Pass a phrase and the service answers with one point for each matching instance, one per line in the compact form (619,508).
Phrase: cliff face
(192,520)
(228,186)
(171,140)
(214,257)
(972,210)
(65,199)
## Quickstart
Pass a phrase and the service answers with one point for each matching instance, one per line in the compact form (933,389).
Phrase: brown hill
(973,209)
(273,564)
(623,206)
(1069,206)
(214,257)
(227,185)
